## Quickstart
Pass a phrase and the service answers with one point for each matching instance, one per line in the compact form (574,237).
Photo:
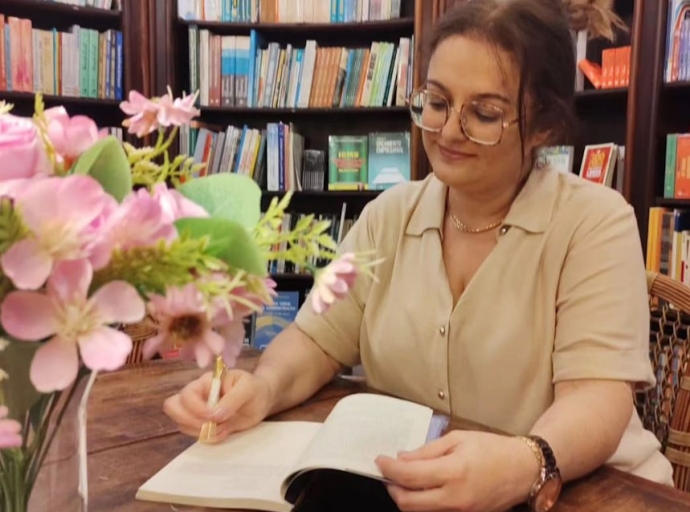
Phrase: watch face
(548,495)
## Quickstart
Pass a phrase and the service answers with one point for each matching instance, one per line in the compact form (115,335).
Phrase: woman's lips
(454,154)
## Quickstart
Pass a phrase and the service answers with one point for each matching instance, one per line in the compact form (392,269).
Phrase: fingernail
(218,413)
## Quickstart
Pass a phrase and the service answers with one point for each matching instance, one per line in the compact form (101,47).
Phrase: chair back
(665,408)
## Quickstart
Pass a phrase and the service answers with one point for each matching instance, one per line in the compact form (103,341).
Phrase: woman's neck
(477,210)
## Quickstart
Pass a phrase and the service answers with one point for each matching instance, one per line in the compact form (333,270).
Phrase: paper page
(363,426)
(244,471)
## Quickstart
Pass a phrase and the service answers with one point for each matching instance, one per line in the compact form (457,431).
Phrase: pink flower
(177,112)
(139,221)
(185,323)
(22,152)
(70,136)
(75,321)
(144,114)
(58,213)
(9,431)
(333,282)
(147,115)
(175,205)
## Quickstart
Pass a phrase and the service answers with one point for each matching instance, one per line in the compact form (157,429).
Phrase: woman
(512,296)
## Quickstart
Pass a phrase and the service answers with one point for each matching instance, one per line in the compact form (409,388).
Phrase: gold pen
(208,429)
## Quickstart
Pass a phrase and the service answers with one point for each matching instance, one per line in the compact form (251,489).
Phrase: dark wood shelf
(672,202)
(17,96)
(328,194)
(292,277)
(305,111)
(29,7)
(601,93)
(373,27)
(685,85)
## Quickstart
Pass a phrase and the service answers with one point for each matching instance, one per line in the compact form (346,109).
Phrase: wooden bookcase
(662,108)
(133,20)
(171,47)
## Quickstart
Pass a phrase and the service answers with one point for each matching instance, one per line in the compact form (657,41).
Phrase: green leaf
(18,392)
(228,196)
(229,241)
(106,162)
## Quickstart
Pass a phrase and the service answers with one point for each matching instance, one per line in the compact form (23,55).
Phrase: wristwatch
(547,488)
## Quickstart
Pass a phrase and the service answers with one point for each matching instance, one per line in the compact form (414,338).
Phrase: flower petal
(214,341)
(29,316)
(118,301)
(153,345)
(81,134)
(70,280)
(203,354)
(105,349)
(27,264)
(55,365)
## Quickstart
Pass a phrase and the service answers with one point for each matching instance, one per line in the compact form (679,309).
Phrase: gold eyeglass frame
(449,108)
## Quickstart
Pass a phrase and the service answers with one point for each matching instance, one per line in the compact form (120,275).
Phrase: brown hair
(537,35)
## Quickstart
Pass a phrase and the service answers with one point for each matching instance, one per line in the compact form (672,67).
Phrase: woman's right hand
(245,400)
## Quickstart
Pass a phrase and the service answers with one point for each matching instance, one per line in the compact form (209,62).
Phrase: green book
(347,162)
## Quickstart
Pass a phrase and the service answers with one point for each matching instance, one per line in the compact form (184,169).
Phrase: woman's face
(470,72)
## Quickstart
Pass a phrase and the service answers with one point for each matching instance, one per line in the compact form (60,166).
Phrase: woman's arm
(475,471)
(294,367)
(585,423)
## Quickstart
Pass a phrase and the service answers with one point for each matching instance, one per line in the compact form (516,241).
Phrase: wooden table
(130,439)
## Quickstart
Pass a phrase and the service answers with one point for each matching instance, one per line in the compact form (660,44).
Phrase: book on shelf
(557,158)
(275,317)
(677,62)
(388,159)
(599,163)
(339,225)
(278,463)
(277,159)
(677,166)
(78,63)
(107,5)
(668,242)
(247,71)
(288,11)
(612,73)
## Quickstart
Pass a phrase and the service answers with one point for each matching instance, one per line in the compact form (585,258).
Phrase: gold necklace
(461,226)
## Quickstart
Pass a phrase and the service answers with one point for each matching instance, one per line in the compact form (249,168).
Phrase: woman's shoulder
(399,201)
(580,198)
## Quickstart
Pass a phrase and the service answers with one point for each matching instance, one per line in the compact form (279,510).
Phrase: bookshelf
(315,122)
(61,85)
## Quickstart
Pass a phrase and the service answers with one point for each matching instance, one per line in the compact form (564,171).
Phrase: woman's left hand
(462,471)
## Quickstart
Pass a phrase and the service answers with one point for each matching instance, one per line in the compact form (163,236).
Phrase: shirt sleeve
(602,307)
(337,330)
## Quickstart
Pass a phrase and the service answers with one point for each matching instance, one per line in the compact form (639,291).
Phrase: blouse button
(441,395)
(442,330)
(503,230)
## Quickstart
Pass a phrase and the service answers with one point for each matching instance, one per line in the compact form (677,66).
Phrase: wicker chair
(665,408)
(139,332)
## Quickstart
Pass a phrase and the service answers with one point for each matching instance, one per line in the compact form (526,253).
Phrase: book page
(244,471)
(363,426)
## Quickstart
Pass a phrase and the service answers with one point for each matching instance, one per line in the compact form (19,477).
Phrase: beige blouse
(561,296)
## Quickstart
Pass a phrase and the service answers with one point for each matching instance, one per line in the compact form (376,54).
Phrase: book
(389,159)
(269,467)
(275,318)
(347,162)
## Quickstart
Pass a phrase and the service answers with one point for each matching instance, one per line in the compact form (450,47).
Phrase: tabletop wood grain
(130,439)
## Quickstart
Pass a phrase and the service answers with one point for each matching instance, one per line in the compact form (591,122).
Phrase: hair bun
(595,16)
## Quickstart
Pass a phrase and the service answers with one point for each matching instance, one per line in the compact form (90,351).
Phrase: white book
(266,467)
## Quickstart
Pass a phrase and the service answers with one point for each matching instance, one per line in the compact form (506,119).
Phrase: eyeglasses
(480,122)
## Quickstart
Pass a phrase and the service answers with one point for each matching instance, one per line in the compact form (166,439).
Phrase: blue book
(389,159)
(275,318)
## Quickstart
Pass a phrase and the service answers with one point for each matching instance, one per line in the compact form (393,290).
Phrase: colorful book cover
(558,158)
(598,162)
(275,318)
(347,162)
(389,159)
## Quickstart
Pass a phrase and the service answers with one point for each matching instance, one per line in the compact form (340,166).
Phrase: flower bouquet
(96,235)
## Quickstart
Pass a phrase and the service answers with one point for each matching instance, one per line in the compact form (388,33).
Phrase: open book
(268,466)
